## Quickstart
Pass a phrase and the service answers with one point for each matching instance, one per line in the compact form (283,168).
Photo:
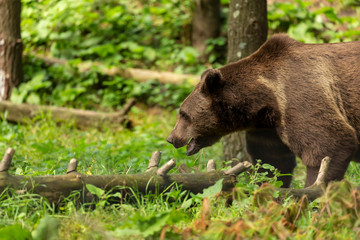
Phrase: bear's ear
(213,82)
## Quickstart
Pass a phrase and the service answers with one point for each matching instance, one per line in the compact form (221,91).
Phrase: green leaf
(95,190)
(155,224)
(212,191)
(189,55)
(150,225)
(33,98)
(187,204)
(150,54)
(268,166)
(14,232)
(47,229)
(278,184)
(37,81)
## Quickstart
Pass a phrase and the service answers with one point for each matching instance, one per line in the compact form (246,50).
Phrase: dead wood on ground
(155,180)
(140,75)
(21,113)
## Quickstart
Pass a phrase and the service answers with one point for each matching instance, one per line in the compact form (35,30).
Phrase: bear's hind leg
(356,157)
(340,157)
(335,173)
(311,175)
(315,136)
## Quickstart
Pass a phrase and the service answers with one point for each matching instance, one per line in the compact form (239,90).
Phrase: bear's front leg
(265,145)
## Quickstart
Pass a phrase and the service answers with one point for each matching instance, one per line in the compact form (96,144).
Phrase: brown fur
(306,96)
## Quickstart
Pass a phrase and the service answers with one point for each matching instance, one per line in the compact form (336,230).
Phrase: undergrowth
(152,34)
(42,147)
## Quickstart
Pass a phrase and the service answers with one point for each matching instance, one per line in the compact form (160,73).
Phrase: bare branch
(6,161)
(238,168)
(127,107)
(166,168)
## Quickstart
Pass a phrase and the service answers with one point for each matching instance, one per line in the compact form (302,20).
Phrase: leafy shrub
(322,25)
(65,85)
(151,34)
(148,34)
(130,33)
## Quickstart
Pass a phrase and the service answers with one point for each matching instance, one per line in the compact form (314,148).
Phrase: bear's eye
(185,116)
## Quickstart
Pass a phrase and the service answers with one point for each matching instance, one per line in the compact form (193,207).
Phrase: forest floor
(44,148)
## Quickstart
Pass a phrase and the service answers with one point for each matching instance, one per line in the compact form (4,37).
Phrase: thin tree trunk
(247,29)
(10,47)
(206,24)
(246,32)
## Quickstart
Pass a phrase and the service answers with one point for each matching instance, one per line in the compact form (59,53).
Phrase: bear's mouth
(192,147)
(195,144)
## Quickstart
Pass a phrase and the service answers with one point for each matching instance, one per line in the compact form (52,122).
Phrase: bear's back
(314,72)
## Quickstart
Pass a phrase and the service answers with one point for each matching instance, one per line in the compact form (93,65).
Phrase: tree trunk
(206,24)
(10,47)
(247,29)
(246,32)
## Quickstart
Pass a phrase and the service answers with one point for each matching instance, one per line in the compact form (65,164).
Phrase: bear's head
(200,122)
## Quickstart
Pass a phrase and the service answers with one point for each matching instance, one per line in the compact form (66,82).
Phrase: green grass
(42,147)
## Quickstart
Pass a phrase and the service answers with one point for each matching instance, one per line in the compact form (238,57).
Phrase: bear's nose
(170,140)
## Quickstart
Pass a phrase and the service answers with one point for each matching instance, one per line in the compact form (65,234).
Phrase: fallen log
(156,180)
(140,75)
(21,113)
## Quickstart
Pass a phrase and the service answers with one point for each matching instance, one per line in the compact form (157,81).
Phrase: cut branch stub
(6,161)
(72,166)
(166,168)
(238,168)
(154,161)
(211,166)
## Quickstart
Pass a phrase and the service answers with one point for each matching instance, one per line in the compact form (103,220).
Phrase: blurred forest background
(154,34)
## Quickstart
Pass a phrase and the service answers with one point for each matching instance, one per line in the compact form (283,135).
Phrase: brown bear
(291,99)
